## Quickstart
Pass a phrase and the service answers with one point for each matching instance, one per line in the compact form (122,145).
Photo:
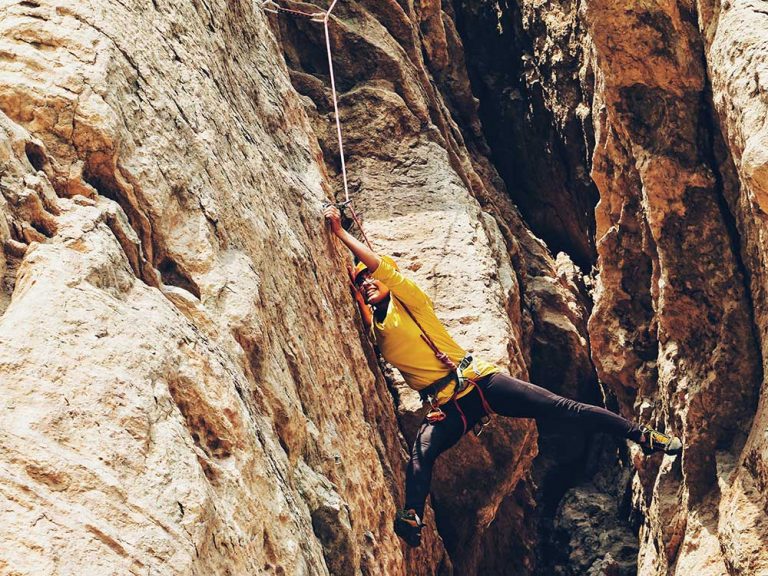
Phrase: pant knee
(422,455)
(570,406)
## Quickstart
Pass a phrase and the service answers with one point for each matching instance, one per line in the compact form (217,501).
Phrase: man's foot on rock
(408,526)
(653,441)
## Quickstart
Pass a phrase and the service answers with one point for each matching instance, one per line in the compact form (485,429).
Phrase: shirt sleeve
(404,289)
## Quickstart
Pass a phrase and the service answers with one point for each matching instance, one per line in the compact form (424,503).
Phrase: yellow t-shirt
(399,337)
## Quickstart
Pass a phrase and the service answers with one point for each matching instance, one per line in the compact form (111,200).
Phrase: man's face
(373,291)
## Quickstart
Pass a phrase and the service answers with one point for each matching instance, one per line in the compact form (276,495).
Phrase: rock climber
(461,391)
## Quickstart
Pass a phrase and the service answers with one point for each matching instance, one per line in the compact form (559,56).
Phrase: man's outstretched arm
(383,269)
(360,250)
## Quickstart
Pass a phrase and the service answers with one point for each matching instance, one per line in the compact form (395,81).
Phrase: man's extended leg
(513,397)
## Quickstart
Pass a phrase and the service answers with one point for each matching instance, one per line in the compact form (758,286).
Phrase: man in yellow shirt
(461,390)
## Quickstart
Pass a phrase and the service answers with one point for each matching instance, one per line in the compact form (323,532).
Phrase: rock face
(667,180)
(172,302)
(525,59)
(674,102)
(186,386)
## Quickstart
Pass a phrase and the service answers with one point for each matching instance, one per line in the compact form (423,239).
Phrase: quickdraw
(348,204)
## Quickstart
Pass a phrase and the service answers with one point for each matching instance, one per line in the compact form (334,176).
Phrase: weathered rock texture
(672,94)
(678,287)
(179,365)
(185,386)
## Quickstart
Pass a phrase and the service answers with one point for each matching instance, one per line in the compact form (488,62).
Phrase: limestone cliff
(186,388)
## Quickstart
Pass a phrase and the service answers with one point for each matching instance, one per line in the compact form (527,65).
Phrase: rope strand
(324,17)
(360,226)
(335,101)
(275,8)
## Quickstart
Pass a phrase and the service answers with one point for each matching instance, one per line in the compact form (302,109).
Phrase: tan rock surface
(673,330)
(185,389)
(169,404)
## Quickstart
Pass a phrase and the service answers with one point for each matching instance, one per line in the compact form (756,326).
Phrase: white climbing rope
(335,103)
(324,17)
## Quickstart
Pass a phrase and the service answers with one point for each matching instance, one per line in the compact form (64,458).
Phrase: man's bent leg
(432,440)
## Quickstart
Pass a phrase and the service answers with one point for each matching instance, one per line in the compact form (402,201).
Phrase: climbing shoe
(652,441)
(408,526)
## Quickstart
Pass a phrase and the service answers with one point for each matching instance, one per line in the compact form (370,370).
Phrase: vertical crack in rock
(526,64)
(534,82)
(384,133)
(734,56)
(720,161)
(101,175)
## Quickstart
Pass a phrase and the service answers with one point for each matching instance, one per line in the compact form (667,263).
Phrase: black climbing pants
(507,396)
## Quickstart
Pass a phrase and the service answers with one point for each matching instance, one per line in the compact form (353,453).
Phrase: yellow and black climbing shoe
(408,526)
(652,441)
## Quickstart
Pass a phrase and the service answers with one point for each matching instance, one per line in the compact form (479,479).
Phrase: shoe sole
(673,448)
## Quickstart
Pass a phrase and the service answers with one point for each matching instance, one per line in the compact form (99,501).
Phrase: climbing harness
(456,374)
